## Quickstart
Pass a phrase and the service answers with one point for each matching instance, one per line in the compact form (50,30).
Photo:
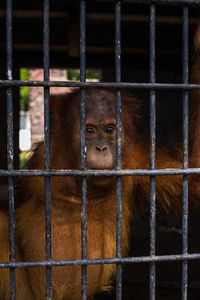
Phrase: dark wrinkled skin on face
(101,136)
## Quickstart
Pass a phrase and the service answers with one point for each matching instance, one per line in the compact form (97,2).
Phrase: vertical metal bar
(185,154)
(118,149)
(83,147)
(152,155)
(47,148)
(10,149)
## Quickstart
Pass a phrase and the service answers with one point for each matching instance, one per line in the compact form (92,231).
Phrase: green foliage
(74,74)
(23,158)
(92,74)
(24,90)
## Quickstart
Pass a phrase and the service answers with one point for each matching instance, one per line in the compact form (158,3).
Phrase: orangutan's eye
(90,130)
(110,129)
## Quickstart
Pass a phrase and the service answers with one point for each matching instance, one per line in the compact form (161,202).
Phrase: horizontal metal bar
(128,85)
(173,2)
(124,260)
(125,172)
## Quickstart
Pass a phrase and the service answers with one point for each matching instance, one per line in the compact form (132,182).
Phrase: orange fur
(66,204)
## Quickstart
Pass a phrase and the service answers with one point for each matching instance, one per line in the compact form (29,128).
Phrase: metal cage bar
(152,283)
(10,148)
(118,150)
(83,147)
(120,85)
(156,2)
(123,172)
(185,154)
(123,260)
(47,148)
